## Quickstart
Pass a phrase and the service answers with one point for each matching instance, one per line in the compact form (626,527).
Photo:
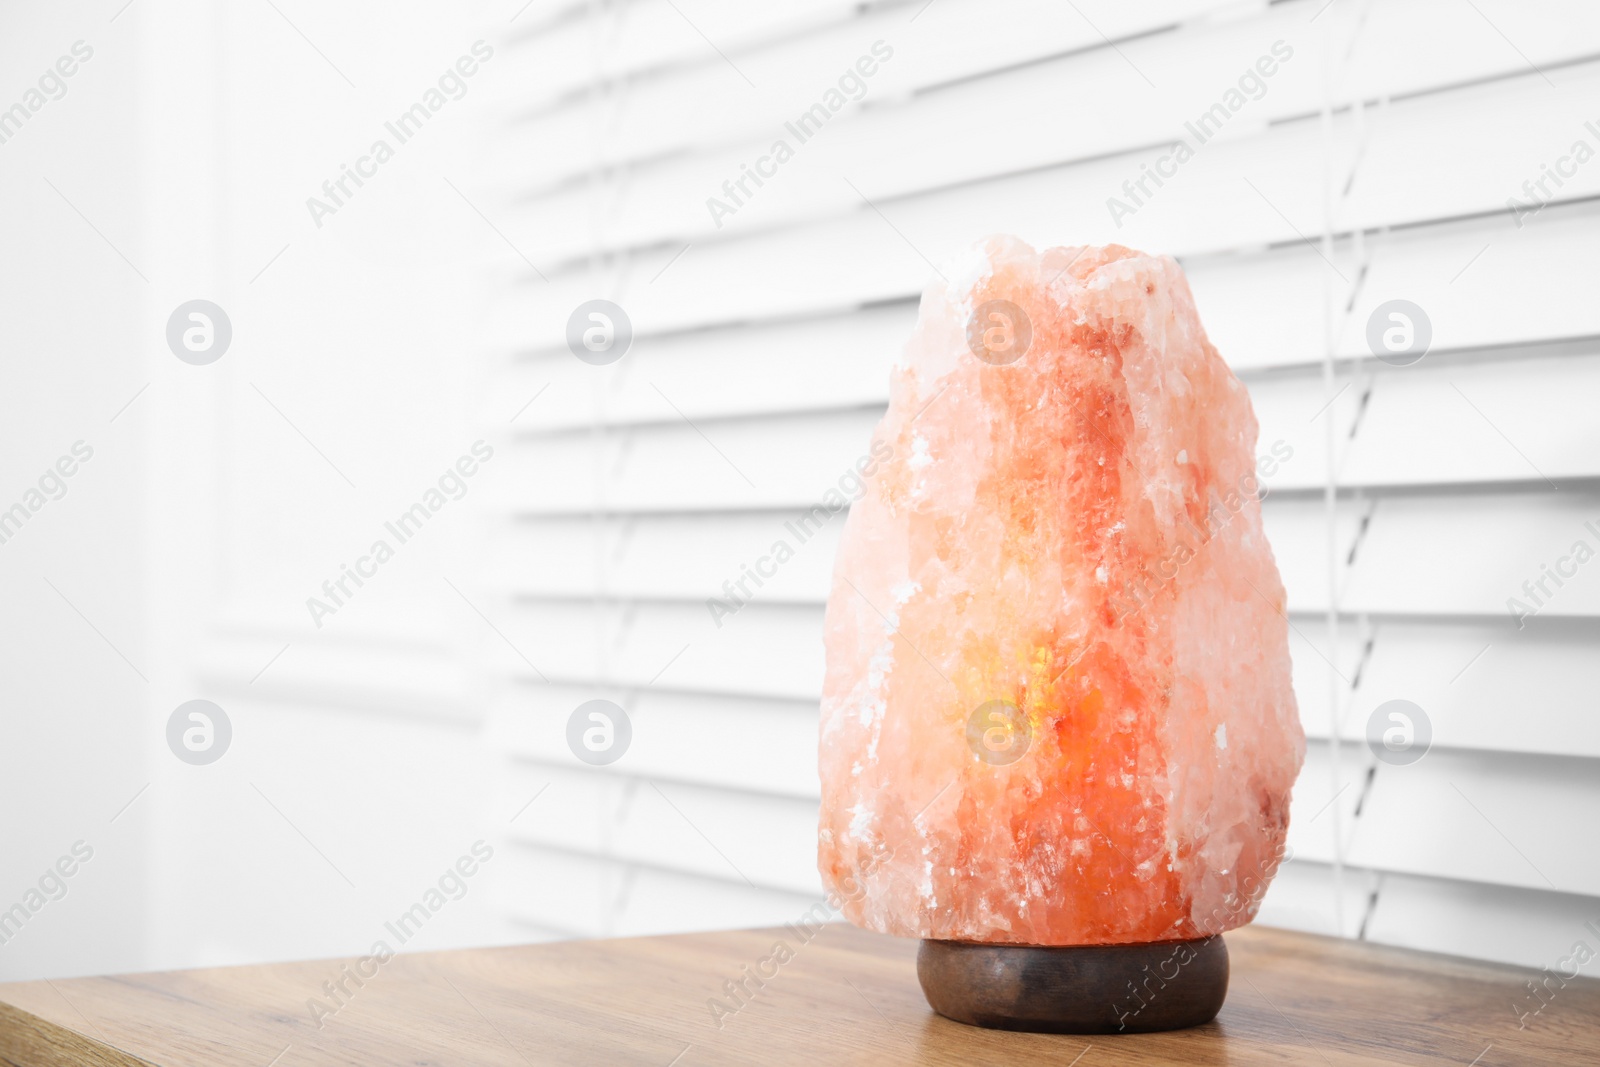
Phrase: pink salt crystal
(1058,707)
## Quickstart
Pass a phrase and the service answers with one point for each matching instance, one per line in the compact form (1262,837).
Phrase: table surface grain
(844,997)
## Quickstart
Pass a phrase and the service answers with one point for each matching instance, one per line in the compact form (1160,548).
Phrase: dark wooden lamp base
(1090,989)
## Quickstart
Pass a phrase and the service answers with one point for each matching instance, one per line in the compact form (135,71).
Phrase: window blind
(1413,150)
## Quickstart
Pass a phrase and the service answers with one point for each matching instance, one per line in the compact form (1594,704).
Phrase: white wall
(73,750)
(207,517)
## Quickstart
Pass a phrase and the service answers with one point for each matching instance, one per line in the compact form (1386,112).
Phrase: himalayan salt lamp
(1058,732)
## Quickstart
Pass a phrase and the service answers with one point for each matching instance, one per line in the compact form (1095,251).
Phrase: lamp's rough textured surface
(1057,708)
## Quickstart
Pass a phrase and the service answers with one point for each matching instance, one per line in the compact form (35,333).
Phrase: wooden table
(844,997)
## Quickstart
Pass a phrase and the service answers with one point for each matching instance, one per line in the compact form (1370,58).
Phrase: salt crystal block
(1058,707)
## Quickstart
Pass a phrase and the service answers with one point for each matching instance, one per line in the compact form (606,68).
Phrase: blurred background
(394,213)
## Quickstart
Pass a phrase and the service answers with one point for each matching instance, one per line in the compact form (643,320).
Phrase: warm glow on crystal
(1075,534)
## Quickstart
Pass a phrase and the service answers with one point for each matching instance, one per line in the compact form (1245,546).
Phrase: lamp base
(1087,989)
